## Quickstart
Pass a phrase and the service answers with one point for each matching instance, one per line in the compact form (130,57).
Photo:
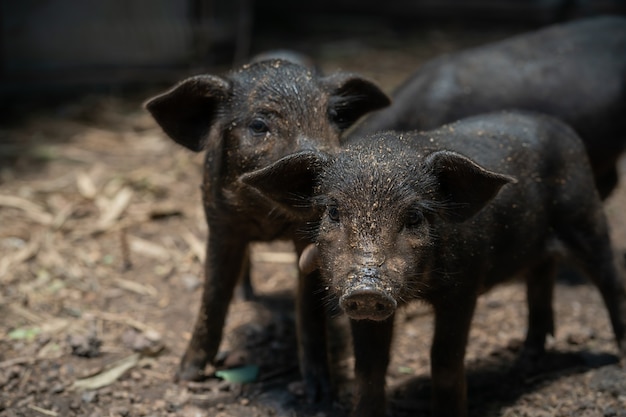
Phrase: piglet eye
(338,119)
(258,127)
(333,213)
(414,218)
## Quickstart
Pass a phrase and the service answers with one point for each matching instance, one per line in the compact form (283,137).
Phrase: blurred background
(56,46)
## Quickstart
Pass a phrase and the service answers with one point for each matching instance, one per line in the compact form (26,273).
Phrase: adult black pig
(574,71)
(442,216)
(246,120)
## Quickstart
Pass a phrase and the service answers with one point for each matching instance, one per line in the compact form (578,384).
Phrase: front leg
(226,257)
(372,344)
(452,324)
(312,338)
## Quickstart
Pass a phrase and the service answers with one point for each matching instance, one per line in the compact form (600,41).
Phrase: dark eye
(341,122)
(333,213)
(413,218)
(258,127)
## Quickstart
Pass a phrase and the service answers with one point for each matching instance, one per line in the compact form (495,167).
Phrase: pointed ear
(463,186)
(352,97)
(290,181)
(187,111)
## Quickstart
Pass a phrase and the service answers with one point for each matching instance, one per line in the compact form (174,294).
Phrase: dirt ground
(101,243)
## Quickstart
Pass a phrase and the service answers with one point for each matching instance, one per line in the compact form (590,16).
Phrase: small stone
(57,388)
(89,397)
(120,411)
(147,343)
(296,388)
(86,346)
(190,282)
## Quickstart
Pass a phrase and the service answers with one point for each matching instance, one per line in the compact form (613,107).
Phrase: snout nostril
(368,303)
(352,306)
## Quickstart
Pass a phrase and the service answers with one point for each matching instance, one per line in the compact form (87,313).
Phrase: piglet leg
(539,294)
(452,324)
(312,335)
(372,343)
(226,257)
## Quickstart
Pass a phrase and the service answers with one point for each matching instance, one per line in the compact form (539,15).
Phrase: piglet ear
(352,97)
(289,182)
(187,111)
(463,186)
(309,259)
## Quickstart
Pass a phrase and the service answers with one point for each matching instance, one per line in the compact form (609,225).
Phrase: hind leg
(539,292)
(245,291)
(606,278)
(606,182)
(591,248)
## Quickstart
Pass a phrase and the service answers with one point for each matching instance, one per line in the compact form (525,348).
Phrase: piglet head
(257,114)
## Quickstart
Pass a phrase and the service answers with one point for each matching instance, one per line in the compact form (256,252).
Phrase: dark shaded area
(56,47)
(492,382)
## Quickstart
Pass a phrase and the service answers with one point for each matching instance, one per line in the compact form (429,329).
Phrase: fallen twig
(10,261)
(122,319)
(32,210)
(42,410)
(196,246)
(114,209)
(109,375)
(136,287)
(17,361)
(26,314)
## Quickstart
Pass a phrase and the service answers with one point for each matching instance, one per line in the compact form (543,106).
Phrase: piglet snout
(367,304)
(365,300)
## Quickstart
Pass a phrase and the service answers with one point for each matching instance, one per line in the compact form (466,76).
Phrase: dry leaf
(148,248)
(275,257)
(114,209)
(86,186)
(109,375)
(196,246)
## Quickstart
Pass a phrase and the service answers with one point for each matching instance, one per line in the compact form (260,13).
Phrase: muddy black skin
(442,216)
(244,121)
(574,71)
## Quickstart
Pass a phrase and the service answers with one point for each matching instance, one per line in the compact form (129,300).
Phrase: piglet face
(375,234)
